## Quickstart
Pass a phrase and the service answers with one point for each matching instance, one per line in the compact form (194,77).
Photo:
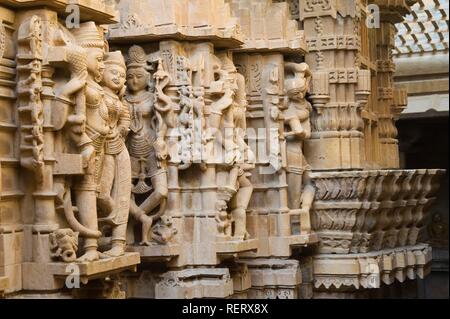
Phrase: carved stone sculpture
(64,244)
(146,142)
(233,148)
(115,185)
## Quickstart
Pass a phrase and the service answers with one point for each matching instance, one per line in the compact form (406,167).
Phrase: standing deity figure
(89,37)
(245,163)
(298,128)
(145,143)
(220,126)
(115,184)
(235,123)
(77,59)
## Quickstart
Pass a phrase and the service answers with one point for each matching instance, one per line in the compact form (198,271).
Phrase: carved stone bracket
(370,270)
(363,211)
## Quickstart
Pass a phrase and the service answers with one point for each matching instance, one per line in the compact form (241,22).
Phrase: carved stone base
(109,288)
(241,280)
(274,278)
(12,281)
(195,283)
(232,247)
(51,276)
(156,253)
(307,286)
(370,270)
(334,152)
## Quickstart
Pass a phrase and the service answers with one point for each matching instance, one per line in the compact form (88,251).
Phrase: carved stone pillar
(11,228)
(44,151)
(207,187)
(333,40)
(267,60)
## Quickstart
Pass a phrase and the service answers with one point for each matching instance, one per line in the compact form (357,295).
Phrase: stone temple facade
(205,149)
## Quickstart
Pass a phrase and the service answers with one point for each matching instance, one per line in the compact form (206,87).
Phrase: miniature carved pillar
(391,101)
(34,96)
(333,42)
(11,221)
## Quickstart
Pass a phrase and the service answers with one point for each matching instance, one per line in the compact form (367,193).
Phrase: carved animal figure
(64,244)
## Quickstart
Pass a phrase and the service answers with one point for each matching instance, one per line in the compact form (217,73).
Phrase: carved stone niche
(279,180)
(61,147)
(199,186)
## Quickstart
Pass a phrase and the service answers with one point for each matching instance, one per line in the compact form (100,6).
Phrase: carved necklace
(98,97)
(137,99)
(112,103)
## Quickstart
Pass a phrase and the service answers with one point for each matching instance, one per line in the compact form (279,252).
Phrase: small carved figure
(64,244)
(77,60)
(220,122)
(163,231)
(438,231)
(223,218)
(296,118)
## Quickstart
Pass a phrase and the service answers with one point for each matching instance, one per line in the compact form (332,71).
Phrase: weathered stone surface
(232,149)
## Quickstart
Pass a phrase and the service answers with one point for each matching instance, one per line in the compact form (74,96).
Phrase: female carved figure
(296,118)
(145,143)
(96,127)
(220,126)
(240,173)
(115,183)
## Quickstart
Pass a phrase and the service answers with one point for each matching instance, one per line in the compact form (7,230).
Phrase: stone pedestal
(274,278)
(195,283)
(241,280)
(53,275)
(357,272)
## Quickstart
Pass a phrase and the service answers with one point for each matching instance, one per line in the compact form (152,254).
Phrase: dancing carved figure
(245,159)
(146,143)
(298,128)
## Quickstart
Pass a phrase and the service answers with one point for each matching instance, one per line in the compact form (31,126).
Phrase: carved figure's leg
(87,210)
(105,201)
(239,204)
(121,195)
(294,180)
(159,194)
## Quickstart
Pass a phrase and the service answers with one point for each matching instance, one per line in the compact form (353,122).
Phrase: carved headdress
(116,58)
(227,63)
(137,58)
(88,35)
(298,77)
